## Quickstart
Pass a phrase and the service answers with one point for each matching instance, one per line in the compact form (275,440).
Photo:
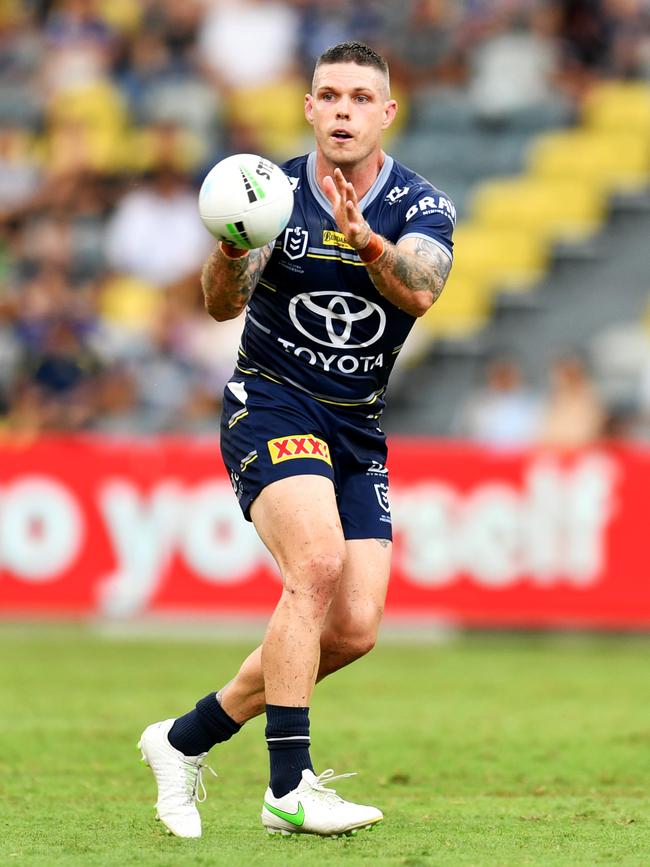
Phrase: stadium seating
(515,222)
(551,209)
(462,310)
(615,161)
(507,257)
(619,106)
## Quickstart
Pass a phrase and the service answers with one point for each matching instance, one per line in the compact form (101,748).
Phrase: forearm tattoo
(229,283)
(418,266)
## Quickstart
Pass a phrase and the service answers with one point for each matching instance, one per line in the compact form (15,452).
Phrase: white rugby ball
(246,200)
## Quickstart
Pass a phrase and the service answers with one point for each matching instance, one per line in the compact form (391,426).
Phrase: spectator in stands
(605,38)
(327,22)
(156,233)
(573,415)
(421,40)
(249,43)
(62,372)
(21,56)
(504,412)
(119,411)
(20,174)
(583,25)
(165,378)
(514,66)
(80,43)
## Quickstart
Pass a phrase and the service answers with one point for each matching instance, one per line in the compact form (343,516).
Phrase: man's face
(349,109)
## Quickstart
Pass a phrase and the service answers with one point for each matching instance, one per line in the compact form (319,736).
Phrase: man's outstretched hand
(345,205)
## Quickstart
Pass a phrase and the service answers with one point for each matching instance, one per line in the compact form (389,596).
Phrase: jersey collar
(369,197)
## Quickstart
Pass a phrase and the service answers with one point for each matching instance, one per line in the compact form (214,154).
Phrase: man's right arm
(228,283)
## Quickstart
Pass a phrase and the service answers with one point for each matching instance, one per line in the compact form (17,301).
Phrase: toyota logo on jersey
(341,320)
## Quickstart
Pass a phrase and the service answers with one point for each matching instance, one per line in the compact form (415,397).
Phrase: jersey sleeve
(429,213)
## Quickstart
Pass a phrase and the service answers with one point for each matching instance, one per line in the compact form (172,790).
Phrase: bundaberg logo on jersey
(335,239)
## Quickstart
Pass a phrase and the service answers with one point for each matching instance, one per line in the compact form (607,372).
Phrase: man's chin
(343,156)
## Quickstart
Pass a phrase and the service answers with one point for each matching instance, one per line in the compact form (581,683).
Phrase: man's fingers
(351,193)
(330,190)
(341,183)
(352,211)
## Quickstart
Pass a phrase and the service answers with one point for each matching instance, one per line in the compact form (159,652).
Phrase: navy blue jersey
(316,320)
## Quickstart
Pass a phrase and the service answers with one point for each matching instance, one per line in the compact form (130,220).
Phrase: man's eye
(361,98)
(328,96)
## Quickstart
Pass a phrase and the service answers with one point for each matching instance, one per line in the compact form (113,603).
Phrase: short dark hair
(353,52)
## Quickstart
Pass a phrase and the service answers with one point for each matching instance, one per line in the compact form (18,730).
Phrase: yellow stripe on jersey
(270,378)
(248,372)
(335,258)
(238,416)
(340,403)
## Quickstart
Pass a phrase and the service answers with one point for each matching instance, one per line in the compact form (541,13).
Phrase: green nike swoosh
(296,818)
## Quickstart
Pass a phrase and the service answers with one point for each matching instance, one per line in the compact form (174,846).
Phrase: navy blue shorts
(271,431)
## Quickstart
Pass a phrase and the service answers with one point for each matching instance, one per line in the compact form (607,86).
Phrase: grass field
(487,750)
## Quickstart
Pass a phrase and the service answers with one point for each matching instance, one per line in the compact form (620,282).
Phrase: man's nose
(343,109)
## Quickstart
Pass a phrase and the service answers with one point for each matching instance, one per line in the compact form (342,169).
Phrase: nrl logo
(295,242)
(381,491)
(396,194)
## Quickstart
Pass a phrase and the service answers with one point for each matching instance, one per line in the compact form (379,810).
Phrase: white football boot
(179,779)
(312,808)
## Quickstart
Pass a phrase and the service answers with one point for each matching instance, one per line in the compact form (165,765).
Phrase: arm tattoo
(229,283)
(415,265)
(383,542)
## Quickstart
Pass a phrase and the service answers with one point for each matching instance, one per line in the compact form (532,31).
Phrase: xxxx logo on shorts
(299,446)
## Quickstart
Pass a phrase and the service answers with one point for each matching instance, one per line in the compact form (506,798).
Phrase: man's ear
(390,110)
(309,107)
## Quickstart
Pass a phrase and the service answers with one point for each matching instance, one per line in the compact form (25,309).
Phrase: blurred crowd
(571,408)
(112,111)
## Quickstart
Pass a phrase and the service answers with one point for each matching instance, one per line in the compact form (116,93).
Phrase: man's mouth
(341,135)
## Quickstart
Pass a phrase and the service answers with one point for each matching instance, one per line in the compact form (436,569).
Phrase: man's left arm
(410,274)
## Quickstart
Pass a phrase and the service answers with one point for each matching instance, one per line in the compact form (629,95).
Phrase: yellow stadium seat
(74,146)
(145,148)
(506,257)
(122,15)
(551,209)
(462,309)
(129,302)
(273,112)
(619,106)
(615,161)
(99,105)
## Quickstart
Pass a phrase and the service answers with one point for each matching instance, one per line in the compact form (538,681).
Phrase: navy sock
(200,729)
(287,737)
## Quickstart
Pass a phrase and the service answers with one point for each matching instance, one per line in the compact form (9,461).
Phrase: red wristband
(373,250)
(232,252)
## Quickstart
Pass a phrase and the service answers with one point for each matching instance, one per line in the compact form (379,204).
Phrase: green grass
(487,750)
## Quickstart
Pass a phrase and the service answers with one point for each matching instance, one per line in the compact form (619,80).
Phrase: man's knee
(315,577)
(352,638)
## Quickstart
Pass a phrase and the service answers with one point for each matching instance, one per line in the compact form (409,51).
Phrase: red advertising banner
(92,527)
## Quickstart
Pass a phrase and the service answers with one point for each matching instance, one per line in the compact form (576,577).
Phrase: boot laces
(328,776)
(196,785)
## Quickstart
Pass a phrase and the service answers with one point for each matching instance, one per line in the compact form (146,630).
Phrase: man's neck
(361,175)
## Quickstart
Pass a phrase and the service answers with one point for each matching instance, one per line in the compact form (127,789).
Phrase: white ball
(246,200)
